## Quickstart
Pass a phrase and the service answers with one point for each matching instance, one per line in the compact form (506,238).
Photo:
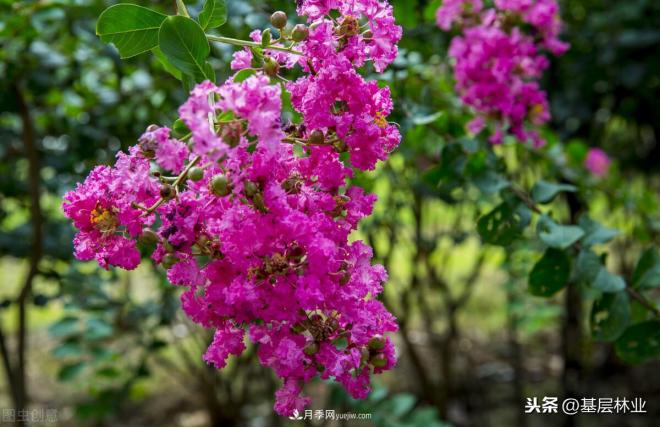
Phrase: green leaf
(97,329)
(610,316)
(640,342)
(490,182)
(545,192)
(647,270)
(68,349)
(64,327)
(184,44)
(244,74)
(596,233)
(501,226)
(166,64)
(131,28)
(550,274)
(558,236)
(588,265)
(70,371)
(213,15)
(608,282)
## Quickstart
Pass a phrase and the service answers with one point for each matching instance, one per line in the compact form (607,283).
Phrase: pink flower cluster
(253,216)
(597,162)
(499,59)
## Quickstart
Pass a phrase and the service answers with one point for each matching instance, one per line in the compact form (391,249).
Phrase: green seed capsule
(300,33)
(220,185)
(196,174)
(278,19)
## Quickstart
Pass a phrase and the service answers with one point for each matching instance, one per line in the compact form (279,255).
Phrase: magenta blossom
(597,162)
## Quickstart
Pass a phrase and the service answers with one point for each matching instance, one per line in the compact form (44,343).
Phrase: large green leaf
(640,342)
(550,274)
(558,236)
(596,233)
(610,316)
(185,46)
(608,282)
(131,28)
(213,15)
(588,265)
(647,271)
(502,225)
(545,192)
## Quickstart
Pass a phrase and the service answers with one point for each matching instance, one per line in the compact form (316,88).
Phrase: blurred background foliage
(112,348)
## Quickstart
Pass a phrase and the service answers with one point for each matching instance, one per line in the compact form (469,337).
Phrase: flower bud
(220,185)
(152,128)
(341,146)
(258,201)
(271,66)
(316,137)
(278,19)
(377,343)
(368,34)
(300,33)
(196,173)
(311,349)
(149,237)
(250,189)
(169,260)
(378,361)
(166,191)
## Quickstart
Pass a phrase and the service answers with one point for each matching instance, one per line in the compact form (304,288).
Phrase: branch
(34,187)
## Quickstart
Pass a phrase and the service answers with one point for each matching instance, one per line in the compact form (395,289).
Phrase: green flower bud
(167,191)
(149,237)
(220,185)
(278,19)
(271,66)
(196,173)
(250,189)
(316,137)
(311,349)
(377,343)
(258,201)
(378,361)
(300,33)
(168,261)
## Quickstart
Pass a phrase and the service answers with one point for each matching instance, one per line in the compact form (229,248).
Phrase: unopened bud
(300,33)
(316,137)
(311,349)
(378,361)
(149,237)
(196,173)
(166,191)
(271,66)
(169,260)
(278,19)
(258,201)
(377,343)
(152,128)
(368,34)
(250,189)
(220,185)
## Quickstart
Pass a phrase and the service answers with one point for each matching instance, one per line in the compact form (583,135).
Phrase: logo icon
(296,415)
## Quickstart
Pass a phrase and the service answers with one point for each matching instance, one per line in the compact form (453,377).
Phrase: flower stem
(237,42)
